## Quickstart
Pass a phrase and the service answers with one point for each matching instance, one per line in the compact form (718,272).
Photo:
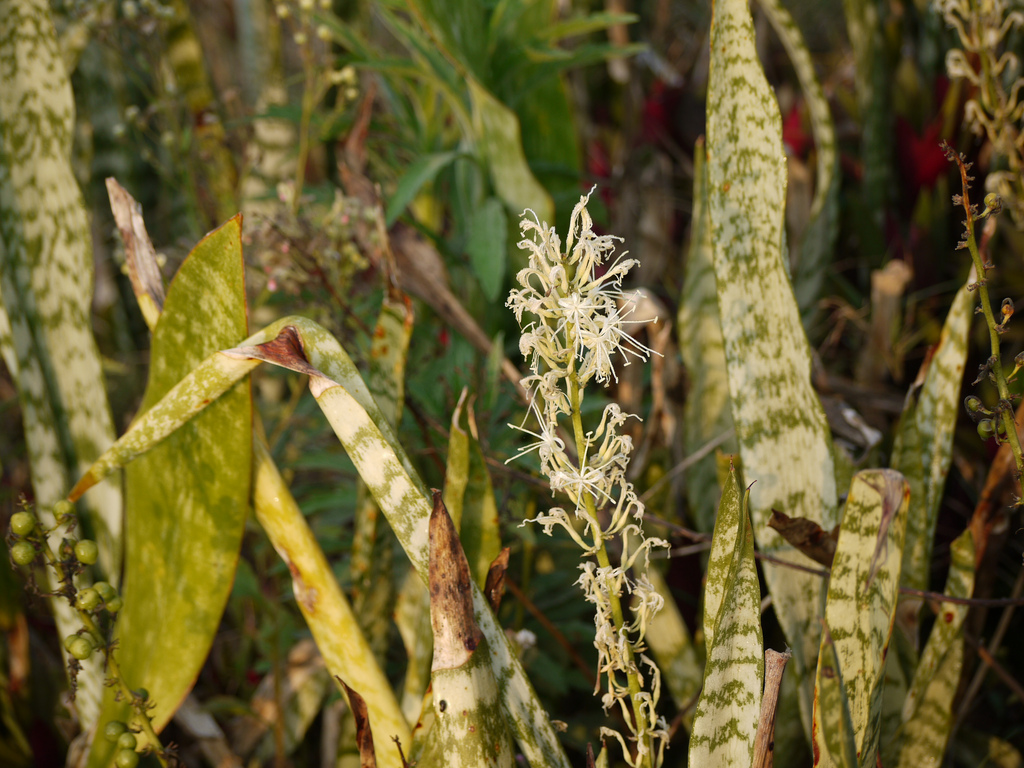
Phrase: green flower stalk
(579,316)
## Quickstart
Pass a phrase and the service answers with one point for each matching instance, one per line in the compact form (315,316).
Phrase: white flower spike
(574,332)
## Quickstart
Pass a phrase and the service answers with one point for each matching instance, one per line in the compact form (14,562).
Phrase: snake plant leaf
(819,238)
(372,553)
(708,411)
(500,144)
(187,498)
(332,621)
(923,447)
(471,730)
(927,710)
(487,246)
(860,611)
(469,493)
(835,744)
(46,285)
(729,706)
(781,428)
(304,346)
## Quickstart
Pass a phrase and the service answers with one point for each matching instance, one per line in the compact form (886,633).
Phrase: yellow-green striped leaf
(708,411)
(469,494)
(820,235)
(861,607)
(781,428)
(923,447)
(927,710)
(727,713)
(380,460)
(46,282)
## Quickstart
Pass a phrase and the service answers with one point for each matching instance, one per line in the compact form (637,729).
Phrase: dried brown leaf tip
(456,634)
(807,536)
(494,587)
(364,734)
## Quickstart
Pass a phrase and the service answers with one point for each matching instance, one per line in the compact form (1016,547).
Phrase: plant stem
(575,399)
(1004,410)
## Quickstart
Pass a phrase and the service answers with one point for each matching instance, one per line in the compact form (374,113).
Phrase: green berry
(141,694)
(23,553)
(81,648)
(88,599)
(986,429)
(126,758)
(112,731)
(22,523)
(63,509)
(127,740)
(86,551)
(106,591)
(114,604)
(68,641)
(973,403)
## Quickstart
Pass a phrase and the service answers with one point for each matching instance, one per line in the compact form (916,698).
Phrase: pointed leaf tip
(456,634)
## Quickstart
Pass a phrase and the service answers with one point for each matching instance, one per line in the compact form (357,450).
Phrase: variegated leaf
(469,494)
(46,281)
(927,710)
(708,411)
(727,713)
(187,499)
(380,460)
(373,587)
(781,428)
(834,743)
(820,235)
(861,607)
(924,445)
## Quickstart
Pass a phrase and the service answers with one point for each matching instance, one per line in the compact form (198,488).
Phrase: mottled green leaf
(781,428)
(487,246)
(923,447)
(499,143)
(861,607)
(819,237)
(421,172)
(46,286)
(927,710)
(381,462)
(186,499)
(836,722)
(727,713)
(371,557)
(708,411)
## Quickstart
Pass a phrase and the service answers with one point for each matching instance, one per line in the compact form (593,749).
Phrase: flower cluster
(575,326)
(995,109)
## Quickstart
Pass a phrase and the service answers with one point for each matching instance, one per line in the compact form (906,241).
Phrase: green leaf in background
(488,246)
(499,143)
(708,411)
(420,173)
(819,237)
(784,438)
(469,494)
(727,713)
(861,608)
(927,710)
(187,499)
(46,292)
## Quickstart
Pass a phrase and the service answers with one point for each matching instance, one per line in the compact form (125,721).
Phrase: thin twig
(688,462)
